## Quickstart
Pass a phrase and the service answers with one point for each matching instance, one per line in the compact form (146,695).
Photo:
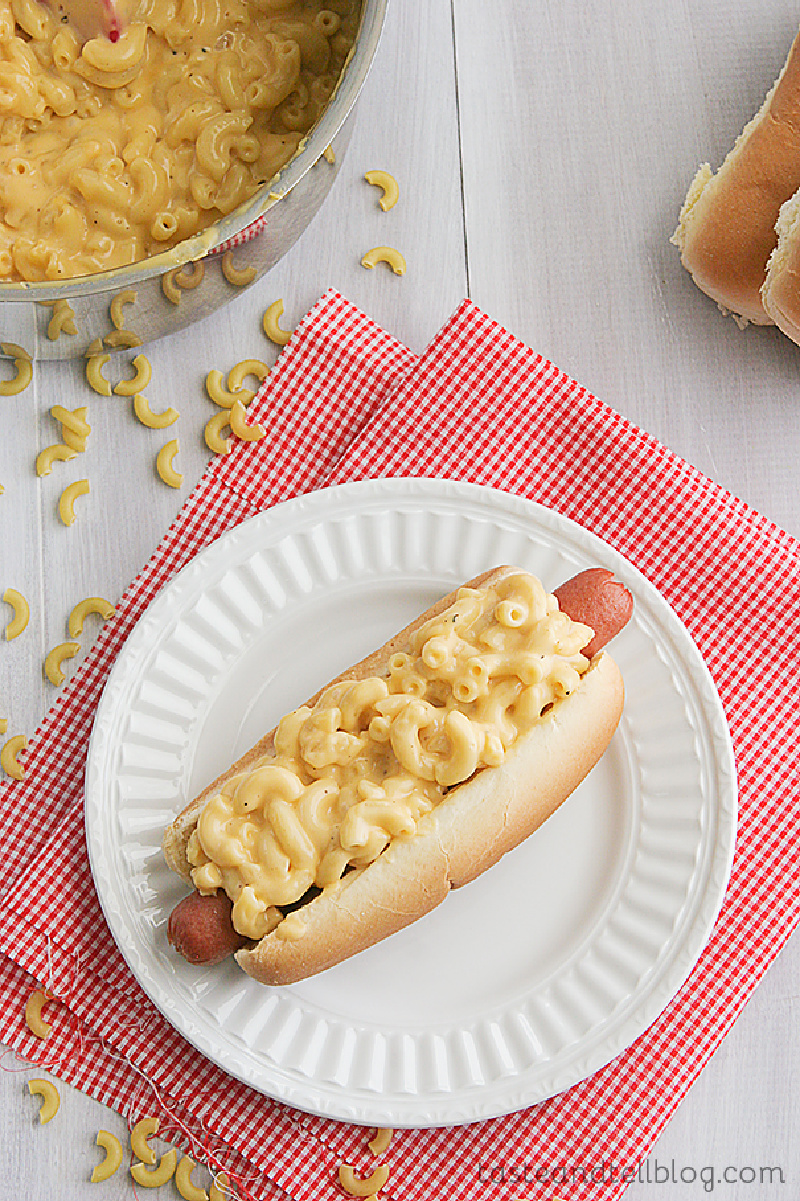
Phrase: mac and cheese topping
(373,756)
(111,152)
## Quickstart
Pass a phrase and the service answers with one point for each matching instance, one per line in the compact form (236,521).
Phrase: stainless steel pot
(284,206)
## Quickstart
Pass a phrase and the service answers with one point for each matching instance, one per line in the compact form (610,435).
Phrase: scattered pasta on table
(239,373)
(33,1013)
(380,1142)
(50,1098)
(239,426)
(122,338)
(94,373)
(60,453)
(388,185)
(144,373)
(21,610)
(9,757)
(153,421)
(66,503)
(128,296)
(155,1177)
(385,254)
(363,1186)
(213,433)
(55,659)
(112,1158)
(75,429)
(239,277)
(221,395)
(23,368)
(141,1133)
(165,463)
(184,1183)
(270,324)
(90,605)
(62,320)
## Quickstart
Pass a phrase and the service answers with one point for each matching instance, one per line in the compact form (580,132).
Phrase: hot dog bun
(474,825)
(726,232)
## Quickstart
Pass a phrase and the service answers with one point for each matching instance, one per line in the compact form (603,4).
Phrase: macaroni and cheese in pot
(373,756)
(111,152)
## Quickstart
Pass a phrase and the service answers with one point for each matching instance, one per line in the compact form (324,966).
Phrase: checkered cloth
(345,402)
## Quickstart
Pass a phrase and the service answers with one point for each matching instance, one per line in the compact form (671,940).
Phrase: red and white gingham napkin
(346,402)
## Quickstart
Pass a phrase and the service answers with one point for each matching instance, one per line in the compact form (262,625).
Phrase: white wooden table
(543,152)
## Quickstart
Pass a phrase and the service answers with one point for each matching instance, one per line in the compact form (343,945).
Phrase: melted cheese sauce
(113,152)
(373,756)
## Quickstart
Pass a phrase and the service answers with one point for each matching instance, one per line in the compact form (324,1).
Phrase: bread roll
(726,231)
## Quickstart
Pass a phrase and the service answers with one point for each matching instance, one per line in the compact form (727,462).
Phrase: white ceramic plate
(519,985)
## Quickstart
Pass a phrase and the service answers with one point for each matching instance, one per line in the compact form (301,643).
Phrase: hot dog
(408,775)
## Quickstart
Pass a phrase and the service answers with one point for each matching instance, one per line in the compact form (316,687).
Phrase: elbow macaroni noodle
(66,503)
(9,757)
(239,372)
(385,254)
(75,429)
(380,1143)
(223,397)
(112,1147)
(372,757)
(22,613)
(53,454)
(238,423)
(22,360)
(50,1098)
(135,145)
(363,1186)
(238,276)
(144,373)
(153,421)
(128,296)
(184,1183)
(62,320)
(155,1177)
(33,1013)
(91,604)
(53,668)
(144,1129)
(271,327)
(164,464)
(213,433)
(94,374)
(388,184)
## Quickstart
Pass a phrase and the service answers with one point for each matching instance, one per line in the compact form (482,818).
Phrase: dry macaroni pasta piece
(53,454)
(113,1157)
(184,1183)
(94,376)
(94,347)
(388,184)
(91,604)
(66,503)
(153,421)
(144,373)
(128,296)
(380,1143)
(75,429)
(239,426)
(238,276)
(155,1177)
(3,725)
(217,392)
(62,320)
(22,613)
(220,1188)
(23,366)
(385,254)
(55,658)
(122,338)
(329,155)
(164,464)
(33,1013)
(363,1186)
(271,327)
(144,1129)
(239,372)
(213,433)
(182,279)
(9,757)
(50,1098)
